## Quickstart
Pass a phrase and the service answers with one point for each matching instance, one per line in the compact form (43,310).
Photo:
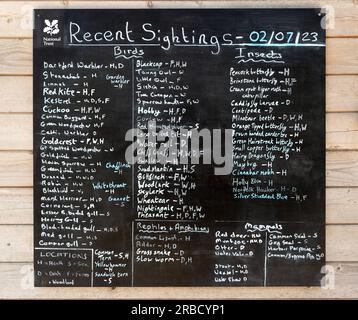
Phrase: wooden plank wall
(16,156)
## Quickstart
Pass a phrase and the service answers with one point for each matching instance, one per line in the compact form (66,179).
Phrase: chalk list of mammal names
(252,79)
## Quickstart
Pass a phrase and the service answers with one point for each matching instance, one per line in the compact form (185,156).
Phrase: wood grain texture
(342,169)
(341,93)
(16,94)
(16,169)
(342,242)
(15,131)
(16,56)
(16,206)
(16,282)
(342,56)
(341,131)
(16,18)
(16,243)
(341,205)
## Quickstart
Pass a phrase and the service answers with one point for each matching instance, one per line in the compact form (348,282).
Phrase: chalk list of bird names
(102,75)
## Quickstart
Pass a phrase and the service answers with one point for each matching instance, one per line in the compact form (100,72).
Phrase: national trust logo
(51,29)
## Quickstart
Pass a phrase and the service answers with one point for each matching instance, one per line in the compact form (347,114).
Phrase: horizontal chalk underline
(113,44)
(57,248)
(284,45)
(198,45)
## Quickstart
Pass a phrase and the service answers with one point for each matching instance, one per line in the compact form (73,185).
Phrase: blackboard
(252,79)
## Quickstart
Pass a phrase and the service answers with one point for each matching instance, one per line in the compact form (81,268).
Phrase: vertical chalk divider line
(133,181)
(92,262)
(265,263)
